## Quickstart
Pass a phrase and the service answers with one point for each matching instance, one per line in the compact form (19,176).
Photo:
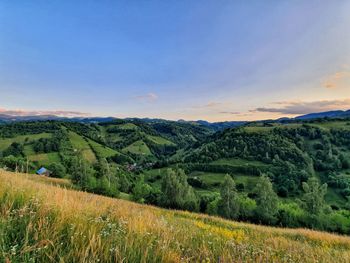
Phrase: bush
(289,215)
(57,170)
(247,207)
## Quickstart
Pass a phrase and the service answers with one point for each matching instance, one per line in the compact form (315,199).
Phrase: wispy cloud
(63,113)
(334,81)
(299,107)
(230,112)
(211,105)
(148,97)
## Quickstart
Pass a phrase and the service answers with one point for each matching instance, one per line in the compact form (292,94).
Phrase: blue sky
(213,60)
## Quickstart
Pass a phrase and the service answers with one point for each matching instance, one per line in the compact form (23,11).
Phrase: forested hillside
(291,174)
(294,174)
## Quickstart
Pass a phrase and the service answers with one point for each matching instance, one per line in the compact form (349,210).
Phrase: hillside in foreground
(41,222)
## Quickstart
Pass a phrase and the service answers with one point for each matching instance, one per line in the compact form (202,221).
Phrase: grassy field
(138,147)
(101,150)
(214,180)
(28,150)
(4,143)
(333,125)
(40,222)
(257,129)
(45,158)
(127,126)
(208,177)
(238,162)
(82,145)
(61,182)
(159,140)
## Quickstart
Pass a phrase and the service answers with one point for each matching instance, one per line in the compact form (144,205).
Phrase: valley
(137,160)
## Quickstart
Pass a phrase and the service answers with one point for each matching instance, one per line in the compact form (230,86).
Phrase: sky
(210,60)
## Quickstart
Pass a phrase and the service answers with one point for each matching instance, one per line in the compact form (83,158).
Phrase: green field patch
(237,165)
(113,137)
(127,126)
(28,150)
(249,182)
(238,162)
(82,145)
(155,173)
(333,125)
(110,136)
(257,128)
(213,181)
(45,158)
(291,125)
(5,143)
(101,150)
(159,140)
(260,128)
(138,147)
(210,179)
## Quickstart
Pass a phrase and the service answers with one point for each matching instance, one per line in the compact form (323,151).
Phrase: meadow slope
(42,222)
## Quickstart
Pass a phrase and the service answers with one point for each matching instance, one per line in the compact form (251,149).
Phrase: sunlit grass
(82,145)
(40,222)
(138,147)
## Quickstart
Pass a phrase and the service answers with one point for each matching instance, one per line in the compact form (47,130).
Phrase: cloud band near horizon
(62,113)
(299,108)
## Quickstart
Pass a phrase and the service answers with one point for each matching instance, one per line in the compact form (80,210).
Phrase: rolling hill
(42,222)
(287,151)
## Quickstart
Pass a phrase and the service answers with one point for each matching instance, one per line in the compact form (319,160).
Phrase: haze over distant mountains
(5,118)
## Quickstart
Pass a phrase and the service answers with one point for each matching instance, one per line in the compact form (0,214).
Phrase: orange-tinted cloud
(299,107)
(335,80)
(230,112)
(63,113)
(212,104)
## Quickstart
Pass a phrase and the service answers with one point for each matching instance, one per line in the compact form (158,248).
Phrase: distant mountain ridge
(213,125)
(4,118)
(329,114)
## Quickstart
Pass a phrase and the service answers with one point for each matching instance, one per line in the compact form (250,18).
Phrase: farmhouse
(43,171)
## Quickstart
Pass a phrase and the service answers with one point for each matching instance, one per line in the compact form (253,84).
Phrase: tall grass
(40,222)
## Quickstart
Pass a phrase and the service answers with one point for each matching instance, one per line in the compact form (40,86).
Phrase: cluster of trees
(182,133)
(310,211)
(46,145)
(19,164)
(328,152)
(292,155)
(84,176)
(287,165)
(233,205)
(263,207)
(174,193)
(23,128)
(15,149)
(103,178)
